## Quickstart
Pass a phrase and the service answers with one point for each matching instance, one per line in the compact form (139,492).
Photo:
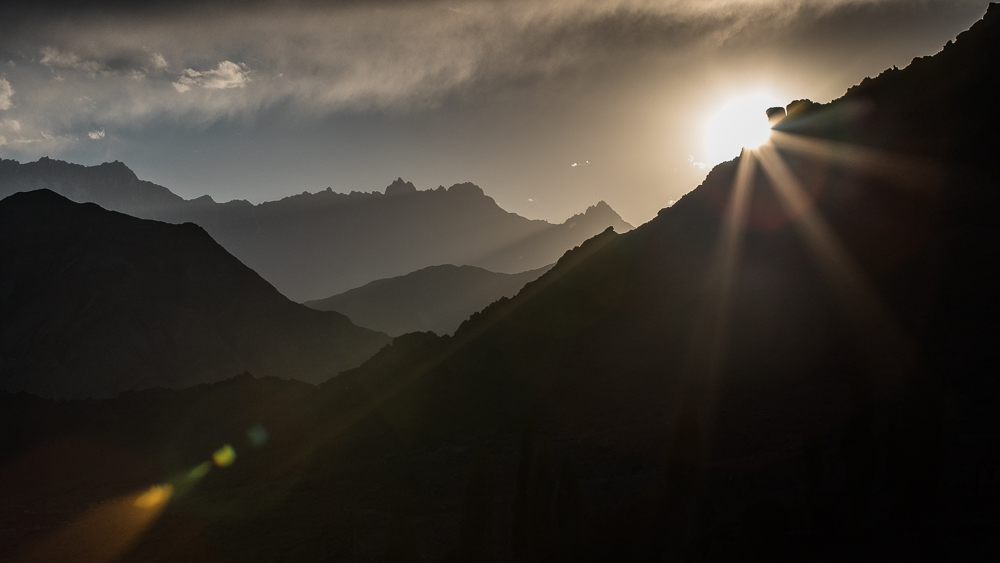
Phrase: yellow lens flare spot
(739,123)
(224,456)
(157,495)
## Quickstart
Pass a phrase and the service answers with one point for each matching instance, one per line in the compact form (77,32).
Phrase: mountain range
(433,299)
(796,361)
(312,246)
(95,302)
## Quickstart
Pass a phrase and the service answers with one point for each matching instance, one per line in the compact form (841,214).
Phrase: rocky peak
(399,187)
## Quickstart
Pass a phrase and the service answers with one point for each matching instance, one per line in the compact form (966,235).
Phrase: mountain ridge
(433,299)
(313,245)
(95,302)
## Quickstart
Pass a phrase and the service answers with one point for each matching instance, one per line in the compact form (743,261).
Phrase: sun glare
(740,122)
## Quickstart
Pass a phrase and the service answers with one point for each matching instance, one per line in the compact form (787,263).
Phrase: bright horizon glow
(739,123)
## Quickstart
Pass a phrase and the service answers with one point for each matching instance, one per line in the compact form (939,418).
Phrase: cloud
(56,59)
(158,61)
(396,57)
(6,93)
(95,135)
(10,125)
(227,75)
(695,163)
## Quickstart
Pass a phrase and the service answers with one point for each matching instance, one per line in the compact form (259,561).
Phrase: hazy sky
(258,100)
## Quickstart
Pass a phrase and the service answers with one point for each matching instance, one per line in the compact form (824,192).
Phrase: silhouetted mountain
(850,314)
(111,185)
(815,379)
(95,302)
(314,245)
(433,299)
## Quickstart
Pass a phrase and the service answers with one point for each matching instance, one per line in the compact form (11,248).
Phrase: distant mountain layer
(94,302)
(315,245)
(435,299)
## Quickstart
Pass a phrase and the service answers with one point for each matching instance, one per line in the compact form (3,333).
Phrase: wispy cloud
(158,61)
(95,135)
(695,163)
(227,75)
(56,59)
(6,93)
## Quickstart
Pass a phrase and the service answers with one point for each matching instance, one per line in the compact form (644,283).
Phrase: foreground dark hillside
(312,246)
(813,380)
(96,302)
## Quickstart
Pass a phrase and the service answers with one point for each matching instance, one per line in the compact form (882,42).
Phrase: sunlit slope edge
(95,302)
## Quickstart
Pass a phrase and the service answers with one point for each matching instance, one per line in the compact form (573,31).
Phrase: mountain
(95,302)
(311,246)
(111,185)
(797,358)
(433,299)
(796,361)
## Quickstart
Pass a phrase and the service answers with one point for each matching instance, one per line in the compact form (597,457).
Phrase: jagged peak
(599,206)
(600,211)
(399,187)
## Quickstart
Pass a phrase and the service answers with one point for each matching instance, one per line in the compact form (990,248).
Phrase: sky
(548,105)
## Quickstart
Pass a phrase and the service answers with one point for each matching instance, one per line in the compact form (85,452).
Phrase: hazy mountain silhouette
(95,302)
(435,299)
(312,246)
(111,185)
(839,404)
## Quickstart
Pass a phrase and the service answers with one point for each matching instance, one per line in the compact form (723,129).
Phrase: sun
(740,122)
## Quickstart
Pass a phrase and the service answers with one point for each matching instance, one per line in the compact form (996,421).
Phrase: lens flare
(155,496)
(199,471)
(258,435)
(224,456)
(103,533)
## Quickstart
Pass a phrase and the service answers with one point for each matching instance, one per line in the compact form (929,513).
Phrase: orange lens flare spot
(157,495)
(224,456)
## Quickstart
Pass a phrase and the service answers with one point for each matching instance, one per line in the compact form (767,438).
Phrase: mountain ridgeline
(433,299)
(312,246)
(95,302)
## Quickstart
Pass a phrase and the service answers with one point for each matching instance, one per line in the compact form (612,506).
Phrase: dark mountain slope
(434,299)
(315,245)
(95,302)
